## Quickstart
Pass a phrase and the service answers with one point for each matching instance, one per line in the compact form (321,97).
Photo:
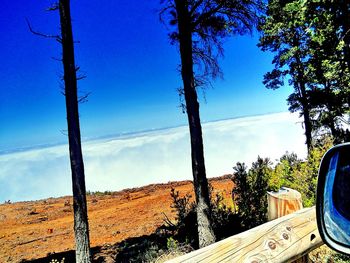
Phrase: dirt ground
(36,229)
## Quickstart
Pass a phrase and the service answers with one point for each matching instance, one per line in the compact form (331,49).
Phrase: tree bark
(345,23)
(306,113)
(81,227)
(303,96)
(307,124)
(205,232)
(331,118)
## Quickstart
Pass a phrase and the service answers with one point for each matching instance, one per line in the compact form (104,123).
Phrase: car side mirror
(333,198)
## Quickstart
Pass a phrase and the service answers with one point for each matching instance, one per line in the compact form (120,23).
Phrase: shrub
(224,219)
(185,227)
(99,193)
(249,195)
(249,192)
(298,174)
(225,222)
(172,244)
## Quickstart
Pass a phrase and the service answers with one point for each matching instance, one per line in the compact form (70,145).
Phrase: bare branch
(57,59)
(168,221)
(64,132)
(57,37)
(81,77)
(84,98)
(53,7)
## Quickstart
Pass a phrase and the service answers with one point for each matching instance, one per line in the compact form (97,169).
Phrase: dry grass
(324,254)
(173,253)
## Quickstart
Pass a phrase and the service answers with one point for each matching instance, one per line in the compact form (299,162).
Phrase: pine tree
(200,27)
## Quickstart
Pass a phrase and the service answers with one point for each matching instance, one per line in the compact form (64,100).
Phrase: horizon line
(124,135)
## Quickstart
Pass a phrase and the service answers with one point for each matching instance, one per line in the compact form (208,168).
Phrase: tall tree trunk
(307,124)
(306,111)
(301,85)
(345,23)
(344,20)
(330,107)
(81,227)
(205,232)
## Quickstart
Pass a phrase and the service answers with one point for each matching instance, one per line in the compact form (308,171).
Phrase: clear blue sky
(131,73)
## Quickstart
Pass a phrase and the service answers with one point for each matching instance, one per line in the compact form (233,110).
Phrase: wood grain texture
(282,240)
(283,202)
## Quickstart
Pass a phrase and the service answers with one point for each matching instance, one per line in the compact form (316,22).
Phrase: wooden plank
(282,240)
(285,202)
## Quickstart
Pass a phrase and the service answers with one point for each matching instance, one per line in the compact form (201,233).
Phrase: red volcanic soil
(36,229)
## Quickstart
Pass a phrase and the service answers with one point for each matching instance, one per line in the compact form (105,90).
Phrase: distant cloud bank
(150,157)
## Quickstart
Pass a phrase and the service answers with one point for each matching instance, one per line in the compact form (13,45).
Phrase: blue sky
(131,73)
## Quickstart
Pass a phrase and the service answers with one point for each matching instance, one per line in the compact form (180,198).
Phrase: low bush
(225,221)
(298,174)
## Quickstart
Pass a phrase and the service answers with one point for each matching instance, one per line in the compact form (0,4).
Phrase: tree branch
(84,98)
(57,37)
(53,7)
(206,15)
(195,6)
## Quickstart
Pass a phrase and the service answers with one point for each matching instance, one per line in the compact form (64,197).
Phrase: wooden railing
(282,240)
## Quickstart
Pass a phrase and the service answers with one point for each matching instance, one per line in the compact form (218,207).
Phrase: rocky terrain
(38,229)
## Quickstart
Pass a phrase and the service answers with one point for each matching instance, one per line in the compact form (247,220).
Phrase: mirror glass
(336,196)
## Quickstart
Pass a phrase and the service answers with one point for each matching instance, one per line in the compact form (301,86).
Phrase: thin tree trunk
(205,232)
(81,227)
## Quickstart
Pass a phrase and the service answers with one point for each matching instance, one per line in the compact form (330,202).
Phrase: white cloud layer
(150,157)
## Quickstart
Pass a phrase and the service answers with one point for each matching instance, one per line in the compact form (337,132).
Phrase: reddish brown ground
(30,230)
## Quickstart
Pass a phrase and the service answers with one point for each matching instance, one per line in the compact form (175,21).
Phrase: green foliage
(300,175)
(339,258)
(156,254)
(284,32)
(185,227)
(308,39)
(325,254)
(149,255)
(181,205)
(249,195)
(209,23)
(251,186)
(172,244)
(249,192)
(225,221)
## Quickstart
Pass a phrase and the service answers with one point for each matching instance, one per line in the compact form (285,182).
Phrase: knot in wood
(272,245)
(288,228)
(285,236)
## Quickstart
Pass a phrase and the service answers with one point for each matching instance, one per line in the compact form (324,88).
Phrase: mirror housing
(333,198)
